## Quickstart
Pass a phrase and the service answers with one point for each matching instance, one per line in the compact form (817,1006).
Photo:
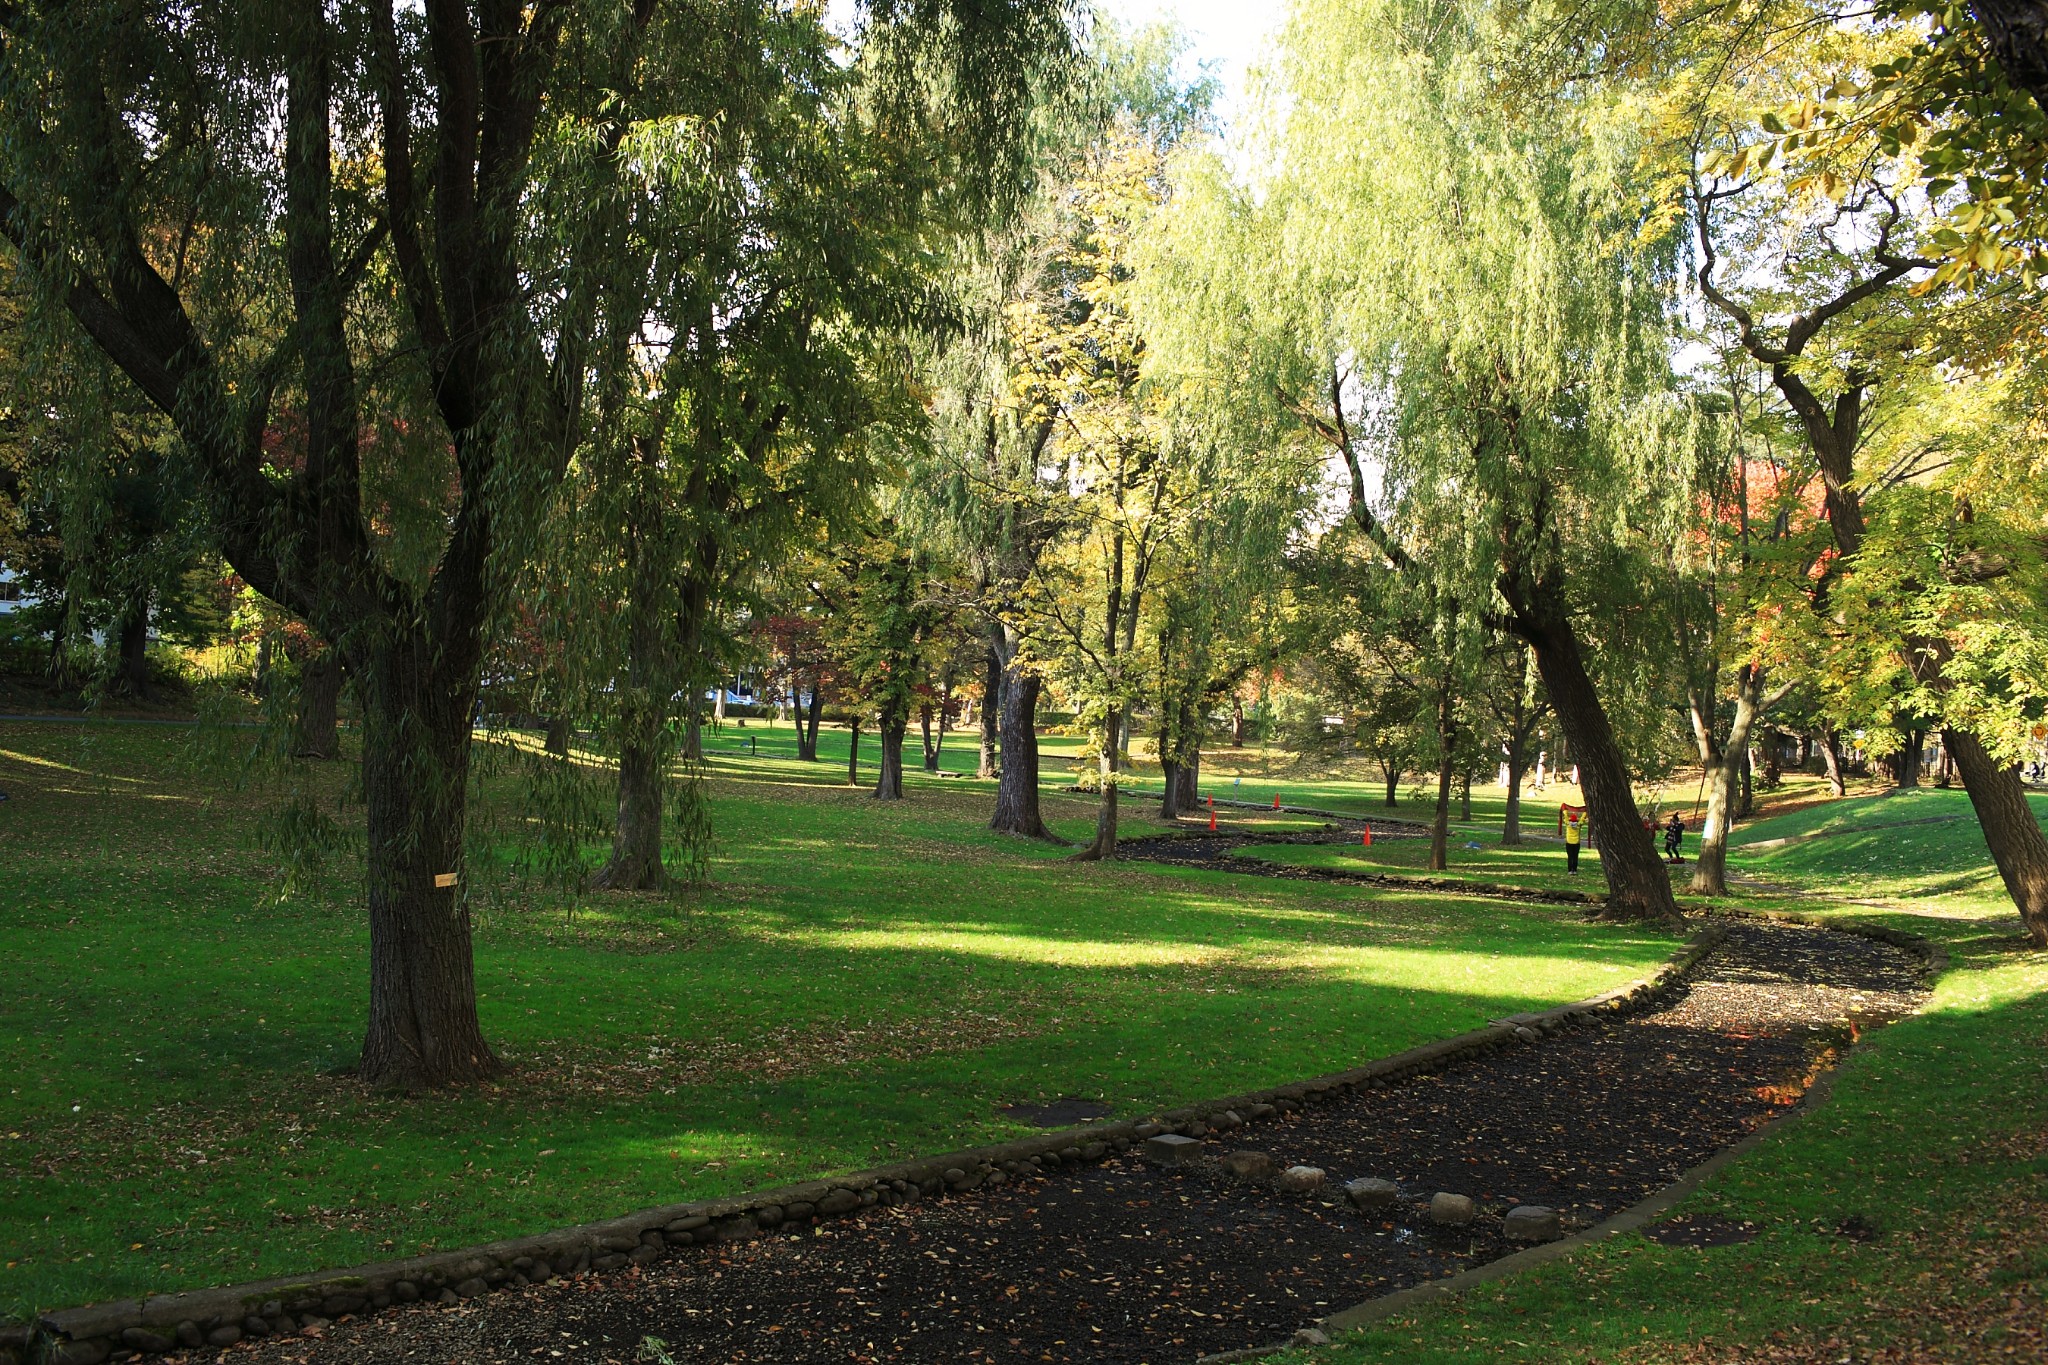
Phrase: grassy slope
(862,982)
(1933,1135)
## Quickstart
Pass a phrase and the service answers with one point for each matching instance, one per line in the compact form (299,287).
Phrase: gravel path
(1119,1262)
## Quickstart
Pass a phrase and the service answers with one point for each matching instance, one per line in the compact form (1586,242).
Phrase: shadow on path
(1121,1262)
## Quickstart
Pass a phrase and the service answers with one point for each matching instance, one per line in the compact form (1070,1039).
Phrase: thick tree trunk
(1016,809)
(1745,802)
(1831,756)
(1710,868)
(889,780)
(423,1028)
(930,750)
(131,663)
(1169,789)
(2017,31)
(1465,798)
(635,863)
(853,752)
(315,733)
(559,729)
(2010,830)
(1393,776)
(991,713)
(1638,884)
(1191,779)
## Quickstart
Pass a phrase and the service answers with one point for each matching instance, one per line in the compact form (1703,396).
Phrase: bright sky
(1227,32)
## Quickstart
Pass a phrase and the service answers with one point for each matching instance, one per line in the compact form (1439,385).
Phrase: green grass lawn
(861,982)
(1536,864)
(1933,1136)
(1918,843)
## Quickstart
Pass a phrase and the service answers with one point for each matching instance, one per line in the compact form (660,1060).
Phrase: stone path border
(1934,962)
(164,1322)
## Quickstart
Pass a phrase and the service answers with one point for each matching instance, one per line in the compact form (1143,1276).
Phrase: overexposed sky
(1227,32)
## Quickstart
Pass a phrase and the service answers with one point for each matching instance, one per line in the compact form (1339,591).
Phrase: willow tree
(220,194)
(1448,290)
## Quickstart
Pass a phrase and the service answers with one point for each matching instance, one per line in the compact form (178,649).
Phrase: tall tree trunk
(853,751)
(2017,32)
(1191,778)
(807,723)
(1393,776)
(635,863)
(945,704)
(2000,799)
(1638,884)
(423,1028)
(1710,868)
(991,713)
(559,728)
(1016,809)
(131,666)
(315,733)
(895,720)
(1517,764)
(1169,788)
(1831,755)
(1465,797)
(1104,847)
(1440,825)
(930,750)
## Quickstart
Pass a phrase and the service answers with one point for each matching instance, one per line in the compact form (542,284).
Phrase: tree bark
(991,713)
(635,863)
(807,722)
(1831,756)
(1191,779)
(2017,31)
(131,667)
(1638,884)
(1440,825)
(1393,776)
(889,779)
(930,753)
(1710,868)
(559,729)
(1511,822)
(1016,809)
(2000,799)
(853,752)
(1104,847)
(1169,788)
(423,1028)
(316,734)
(1465,797)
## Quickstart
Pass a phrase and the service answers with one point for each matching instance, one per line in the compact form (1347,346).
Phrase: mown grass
(860,982)
(1932,1137)
(1475,856)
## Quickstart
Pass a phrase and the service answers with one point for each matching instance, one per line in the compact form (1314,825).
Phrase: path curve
(1120,1262)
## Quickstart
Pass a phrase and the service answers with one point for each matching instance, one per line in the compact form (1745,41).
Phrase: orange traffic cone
(1276,800)
(1212,819)
(1366,842)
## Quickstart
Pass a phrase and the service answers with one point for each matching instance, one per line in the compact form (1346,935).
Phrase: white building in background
(13,595)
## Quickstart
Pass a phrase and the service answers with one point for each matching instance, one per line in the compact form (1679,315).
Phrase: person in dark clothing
(1674,838)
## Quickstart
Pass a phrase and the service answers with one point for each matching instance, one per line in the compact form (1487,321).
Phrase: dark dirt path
(1119,1262)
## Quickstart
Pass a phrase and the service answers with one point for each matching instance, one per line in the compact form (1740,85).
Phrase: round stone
(1452,1210)
(1301,1179)
(1371,1193)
